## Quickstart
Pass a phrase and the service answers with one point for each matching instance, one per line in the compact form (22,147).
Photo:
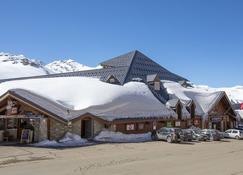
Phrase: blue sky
(201,40)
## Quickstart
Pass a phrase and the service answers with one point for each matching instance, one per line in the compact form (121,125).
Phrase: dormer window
(154,81)
(113,80)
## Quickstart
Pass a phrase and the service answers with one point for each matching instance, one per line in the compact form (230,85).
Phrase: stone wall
(76,127)
(57,129)
(98,126)
(42,134)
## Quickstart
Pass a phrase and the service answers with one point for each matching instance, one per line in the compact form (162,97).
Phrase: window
(235,132)
(11,123)
(141,126)
(130,127)
(112,80)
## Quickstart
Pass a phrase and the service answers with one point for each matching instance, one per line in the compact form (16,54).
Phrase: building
(130,94)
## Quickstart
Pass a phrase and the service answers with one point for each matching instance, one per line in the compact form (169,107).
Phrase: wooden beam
(2,108)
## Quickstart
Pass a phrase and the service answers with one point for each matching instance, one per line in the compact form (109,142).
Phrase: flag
(241,106)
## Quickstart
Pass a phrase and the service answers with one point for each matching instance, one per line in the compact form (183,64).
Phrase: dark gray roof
(120,61)
(151,77)
(125,68)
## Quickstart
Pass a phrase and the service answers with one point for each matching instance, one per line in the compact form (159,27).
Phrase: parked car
(187,135)
(221,134)
(234,134)
(212,134)
(168,134)
(198,135)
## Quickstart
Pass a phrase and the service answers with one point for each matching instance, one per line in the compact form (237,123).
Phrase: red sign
(241,106)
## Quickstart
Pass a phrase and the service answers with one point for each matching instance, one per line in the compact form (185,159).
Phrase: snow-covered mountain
(13,66)
(62,66)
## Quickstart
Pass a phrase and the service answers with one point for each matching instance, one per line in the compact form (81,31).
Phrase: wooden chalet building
(21,109)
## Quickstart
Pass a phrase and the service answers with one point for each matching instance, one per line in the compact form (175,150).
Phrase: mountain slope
(13,66)
(62,66)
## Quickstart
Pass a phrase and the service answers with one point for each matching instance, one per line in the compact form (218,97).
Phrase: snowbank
(109,136)
(69,140)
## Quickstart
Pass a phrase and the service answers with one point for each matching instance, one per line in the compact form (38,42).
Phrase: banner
(241,106)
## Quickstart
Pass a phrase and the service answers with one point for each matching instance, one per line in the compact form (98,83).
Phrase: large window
(130,127)
(1,124)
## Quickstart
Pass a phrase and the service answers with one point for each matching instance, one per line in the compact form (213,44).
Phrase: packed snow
(201,97)
(14,66)
(62,66)
(109,136)
(235,94)
(69,140)
(134,99)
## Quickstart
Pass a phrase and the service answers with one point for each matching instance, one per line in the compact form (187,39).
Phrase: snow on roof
(204,100)
(83,94)
(173,103)
(239,114)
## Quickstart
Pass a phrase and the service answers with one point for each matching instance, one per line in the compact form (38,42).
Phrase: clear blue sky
(201,40)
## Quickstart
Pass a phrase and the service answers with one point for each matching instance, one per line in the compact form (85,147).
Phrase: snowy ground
(217,158)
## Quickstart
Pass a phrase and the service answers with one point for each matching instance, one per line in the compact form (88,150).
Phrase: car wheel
(155,137)
(237,137)
(169,139)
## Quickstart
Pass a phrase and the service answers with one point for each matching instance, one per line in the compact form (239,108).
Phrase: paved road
(224,158)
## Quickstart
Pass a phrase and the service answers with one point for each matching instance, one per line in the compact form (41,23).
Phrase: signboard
(177,123)
(216,119)
(26,136)
(130,127)
(168,124)
(241,106)
(196,122)
(154,125)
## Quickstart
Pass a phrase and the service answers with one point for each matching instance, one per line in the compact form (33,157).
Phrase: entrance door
(86,128)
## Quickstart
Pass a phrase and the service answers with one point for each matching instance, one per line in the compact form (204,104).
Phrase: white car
(234,134)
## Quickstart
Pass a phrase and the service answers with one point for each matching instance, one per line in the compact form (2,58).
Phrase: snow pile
(109,136)
(69,140)
(134,99)
(62,66)
(13,66)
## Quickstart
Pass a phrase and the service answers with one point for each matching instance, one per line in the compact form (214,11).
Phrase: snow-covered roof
(172,103)
(204,100)
(239,114)
(82,95)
